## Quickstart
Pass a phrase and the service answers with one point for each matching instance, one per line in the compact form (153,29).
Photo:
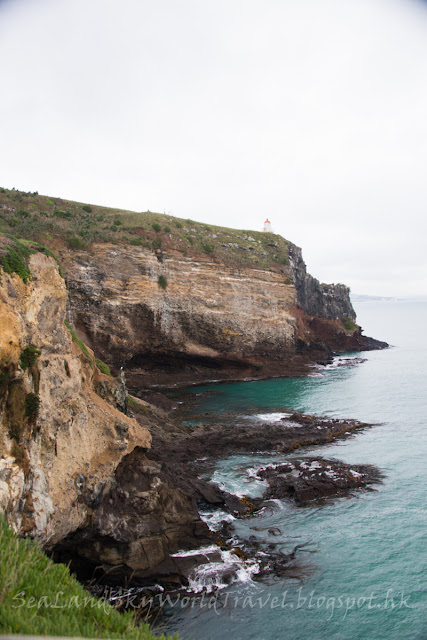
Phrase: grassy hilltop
(54,222)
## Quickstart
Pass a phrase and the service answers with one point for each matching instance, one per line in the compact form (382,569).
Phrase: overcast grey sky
(310,112)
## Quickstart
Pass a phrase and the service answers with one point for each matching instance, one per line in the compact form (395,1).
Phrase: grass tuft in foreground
(40,597)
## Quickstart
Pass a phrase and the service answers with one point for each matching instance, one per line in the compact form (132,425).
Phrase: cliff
(169,302)
(62,444)
(60,441)
(211,320)
(330,301)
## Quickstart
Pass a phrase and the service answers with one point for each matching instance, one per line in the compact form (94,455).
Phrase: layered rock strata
(60,441)
(208,316)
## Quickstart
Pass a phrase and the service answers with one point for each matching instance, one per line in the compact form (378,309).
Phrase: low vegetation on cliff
(15,252)
(52,220)
(40,597)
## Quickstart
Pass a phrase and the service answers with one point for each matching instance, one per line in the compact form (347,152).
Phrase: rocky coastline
(96,463)
(181,457)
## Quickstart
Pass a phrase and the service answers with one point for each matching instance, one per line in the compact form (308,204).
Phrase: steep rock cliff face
(208,310)
(330,301)
(60,442)
(210,315)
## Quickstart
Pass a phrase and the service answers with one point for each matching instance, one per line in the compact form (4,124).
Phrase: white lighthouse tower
(267,226)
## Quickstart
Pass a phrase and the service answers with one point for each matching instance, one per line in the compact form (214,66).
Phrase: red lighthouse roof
(267,220)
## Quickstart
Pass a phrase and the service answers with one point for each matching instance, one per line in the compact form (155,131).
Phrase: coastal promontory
(96,303)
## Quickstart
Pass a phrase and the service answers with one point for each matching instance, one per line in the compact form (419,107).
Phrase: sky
(310,112)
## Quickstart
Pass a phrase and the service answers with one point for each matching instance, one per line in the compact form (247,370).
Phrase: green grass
(15,253)
(40,597)
(29,356)
(77,340)
(79,225)
(349,324)
(104,368)
(133,404)
(15,260)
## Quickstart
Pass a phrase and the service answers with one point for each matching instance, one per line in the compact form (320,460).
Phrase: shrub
(178,225)
(23,213)
(32,403)
(63,214)
(87,208)
(76,243)
(113,227)
(162,282)
(167,229)
(15,261)
(29,357)
(156,227)
(349,324)
(117,222)
(137,242)
(208,248)
(157,243)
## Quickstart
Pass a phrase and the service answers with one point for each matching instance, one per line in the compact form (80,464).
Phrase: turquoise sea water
(369,575)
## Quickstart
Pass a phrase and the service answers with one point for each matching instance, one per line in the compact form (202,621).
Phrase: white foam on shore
(246,484)
(203,551)
(219,575)
(340,361)
(211,576)
(271,417)
(215,519)
(228,483)
(276,418)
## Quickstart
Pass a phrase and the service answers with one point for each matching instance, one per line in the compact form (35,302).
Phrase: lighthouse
(267,226)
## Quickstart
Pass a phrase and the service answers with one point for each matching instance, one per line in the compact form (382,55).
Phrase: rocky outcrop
(151,511)
(60,441)
(322,300)
(310,480)
(136,527)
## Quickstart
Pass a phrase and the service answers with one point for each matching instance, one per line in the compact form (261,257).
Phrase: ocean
(367,575)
